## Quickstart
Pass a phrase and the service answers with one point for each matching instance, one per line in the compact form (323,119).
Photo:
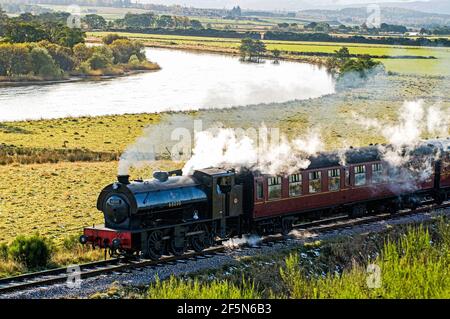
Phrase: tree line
(50,61)
(43,47)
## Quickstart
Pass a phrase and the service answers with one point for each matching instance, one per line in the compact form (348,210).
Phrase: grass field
(104,133)
(439,66)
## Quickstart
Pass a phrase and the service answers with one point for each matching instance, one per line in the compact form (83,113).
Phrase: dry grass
(100,134)
(54,200)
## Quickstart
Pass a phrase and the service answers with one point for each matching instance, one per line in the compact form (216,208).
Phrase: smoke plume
(273,154)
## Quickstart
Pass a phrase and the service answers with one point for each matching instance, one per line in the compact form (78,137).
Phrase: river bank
(33,80)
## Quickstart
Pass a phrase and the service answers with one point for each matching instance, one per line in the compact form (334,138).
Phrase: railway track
(61,275)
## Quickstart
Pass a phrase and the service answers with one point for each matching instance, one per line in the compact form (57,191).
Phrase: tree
(143,20)
(98,61)
(81,53)
(276,54)
(61,55)
(43,64)
(15,59)
(165,21)
(252,50)
(19,32)
(195,24)
(3,21)
(123,49)
(69,37)
(95,22)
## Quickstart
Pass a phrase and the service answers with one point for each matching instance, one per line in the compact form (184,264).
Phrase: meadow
(438,67)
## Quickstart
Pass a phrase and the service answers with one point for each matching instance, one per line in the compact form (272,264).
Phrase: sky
(270,4)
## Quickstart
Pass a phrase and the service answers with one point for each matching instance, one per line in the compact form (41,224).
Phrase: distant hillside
(389,15)
(433,6)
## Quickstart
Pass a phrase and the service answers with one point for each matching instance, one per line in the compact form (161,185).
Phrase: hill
(389,15)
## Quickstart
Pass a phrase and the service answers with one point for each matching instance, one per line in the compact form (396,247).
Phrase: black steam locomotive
(172,213)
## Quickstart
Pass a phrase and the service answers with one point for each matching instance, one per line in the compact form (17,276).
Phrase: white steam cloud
(415,120)
(272,154)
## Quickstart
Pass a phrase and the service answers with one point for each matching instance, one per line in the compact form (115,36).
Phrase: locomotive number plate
(175,203)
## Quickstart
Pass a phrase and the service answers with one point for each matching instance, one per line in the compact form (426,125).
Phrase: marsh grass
(414,267)
(175,288)
(28,155)
(414,263)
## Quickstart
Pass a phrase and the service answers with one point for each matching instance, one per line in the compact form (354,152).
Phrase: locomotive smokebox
(123,179)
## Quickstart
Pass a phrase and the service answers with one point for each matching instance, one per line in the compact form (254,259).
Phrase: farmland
(437,67)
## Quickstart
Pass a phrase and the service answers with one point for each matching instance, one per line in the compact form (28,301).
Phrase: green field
(435,67)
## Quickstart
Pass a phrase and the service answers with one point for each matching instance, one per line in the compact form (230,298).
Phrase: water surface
(187,81)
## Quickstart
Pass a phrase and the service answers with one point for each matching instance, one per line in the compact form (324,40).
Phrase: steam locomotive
(172,213)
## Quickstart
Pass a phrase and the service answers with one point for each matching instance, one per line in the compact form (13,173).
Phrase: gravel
(144,276)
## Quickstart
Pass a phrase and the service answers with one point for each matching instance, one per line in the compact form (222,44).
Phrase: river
(187,81)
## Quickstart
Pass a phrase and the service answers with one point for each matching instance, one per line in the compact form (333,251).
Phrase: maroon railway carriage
(363,184)
(172,213)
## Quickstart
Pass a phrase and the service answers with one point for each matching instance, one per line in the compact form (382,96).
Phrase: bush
(134,60)
(71,242)
(110,38)
(81,52)
(98,61)
(122,50)
(33,251)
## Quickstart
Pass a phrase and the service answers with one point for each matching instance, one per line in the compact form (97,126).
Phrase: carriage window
(334,179)
(377,173)
(295,185)
(315,182)
(274,187)
(360,175)
(259,190)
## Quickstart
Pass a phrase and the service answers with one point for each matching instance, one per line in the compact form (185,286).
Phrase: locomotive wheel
(286,226)
(201,241)
(177,246)
(155,245)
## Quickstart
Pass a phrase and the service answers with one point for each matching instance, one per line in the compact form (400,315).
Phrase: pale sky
(270,4)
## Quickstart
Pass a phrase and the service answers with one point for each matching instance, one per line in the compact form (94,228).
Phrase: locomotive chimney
(123,179)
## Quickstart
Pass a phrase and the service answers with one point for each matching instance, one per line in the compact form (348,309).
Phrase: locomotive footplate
(103,237)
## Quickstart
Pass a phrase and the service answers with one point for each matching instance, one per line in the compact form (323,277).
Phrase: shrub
(110,38)
(33,251)
(98,61)
(123,49)
(71,242)
(81,52)
(134,60)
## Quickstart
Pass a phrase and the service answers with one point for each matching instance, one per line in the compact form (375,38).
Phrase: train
(172,213)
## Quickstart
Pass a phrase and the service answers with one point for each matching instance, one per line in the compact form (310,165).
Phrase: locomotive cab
(224,195)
